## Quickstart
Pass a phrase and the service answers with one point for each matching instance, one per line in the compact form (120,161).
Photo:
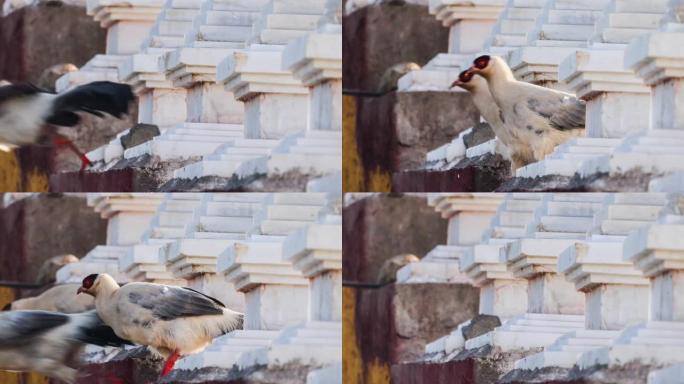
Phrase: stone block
(36,229)
(370,238)
(394,323)
(375,39)
(139,134)
(32,40)
(396,131)
(272,116)
(130,179)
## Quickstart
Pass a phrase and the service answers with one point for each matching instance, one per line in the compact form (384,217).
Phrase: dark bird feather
(94,98)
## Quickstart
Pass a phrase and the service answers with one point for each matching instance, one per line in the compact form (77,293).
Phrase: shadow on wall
(39,227)
(34,38)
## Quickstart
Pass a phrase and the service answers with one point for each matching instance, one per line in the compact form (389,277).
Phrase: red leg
(170,362)
(59,140)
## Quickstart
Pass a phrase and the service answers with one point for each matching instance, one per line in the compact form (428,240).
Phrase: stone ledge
(632,181)
(138,365)
(120,180)
(480,174)
(290,181)
(484,365)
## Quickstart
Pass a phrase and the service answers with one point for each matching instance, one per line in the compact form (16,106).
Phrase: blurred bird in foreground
(29,115)
(50,343)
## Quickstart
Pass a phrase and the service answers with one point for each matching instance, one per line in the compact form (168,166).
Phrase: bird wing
(168,303)
(17,326)
(92,330)
(9,92)
(95,98)
(562,110)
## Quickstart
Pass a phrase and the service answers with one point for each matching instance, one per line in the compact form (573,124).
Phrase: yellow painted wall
(352,169)
(11,179)
(10,173)
(354,369)
(7,295)
(354,177)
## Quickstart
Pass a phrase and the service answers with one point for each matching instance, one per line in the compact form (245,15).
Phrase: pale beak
(456,83)
(80,290)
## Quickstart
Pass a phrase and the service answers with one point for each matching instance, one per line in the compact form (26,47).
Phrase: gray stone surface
(479,325)
(139,134)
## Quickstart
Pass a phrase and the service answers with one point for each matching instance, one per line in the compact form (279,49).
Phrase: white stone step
(566,223)
(634,212)
(168,232)
(225,224)
(570,17)
(293,212)
(572,208)
(515,27)
(622,227)
(569,32)
(170,218)
(521,205)
(230,208)
(514,219)
(655,199)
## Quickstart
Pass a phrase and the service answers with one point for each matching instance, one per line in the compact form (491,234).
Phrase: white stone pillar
(316,251)
(657,251)
(316,60)
(616,293)
(275,102)
(127,25)
(469,23)
(656,150)
(128,216)
(222,220)
(469,216)
(160,102)
(511,28)
(617,100)
(563,28)
(212,116)
(501,293)
(147,260)
(276,294)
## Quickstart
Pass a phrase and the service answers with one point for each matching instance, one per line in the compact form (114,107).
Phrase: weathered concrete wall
(382,226)
(394,132)
(375,39)
(115,180)
(34,229)
(33,39)
(393,324)
(482,174)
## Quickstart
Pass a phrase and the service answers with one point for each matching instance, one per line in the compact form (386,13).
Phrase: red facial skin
(481,62)
(463,77)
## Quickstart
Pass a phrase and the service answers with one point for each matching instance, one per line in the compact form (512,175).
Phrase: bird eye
(481,62)
(465,76)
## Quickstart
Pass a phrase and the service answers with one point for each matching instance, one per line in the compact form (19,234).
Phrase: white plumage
(519,153)
(541,117)
(22,119)
(173,321)
(59,298)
